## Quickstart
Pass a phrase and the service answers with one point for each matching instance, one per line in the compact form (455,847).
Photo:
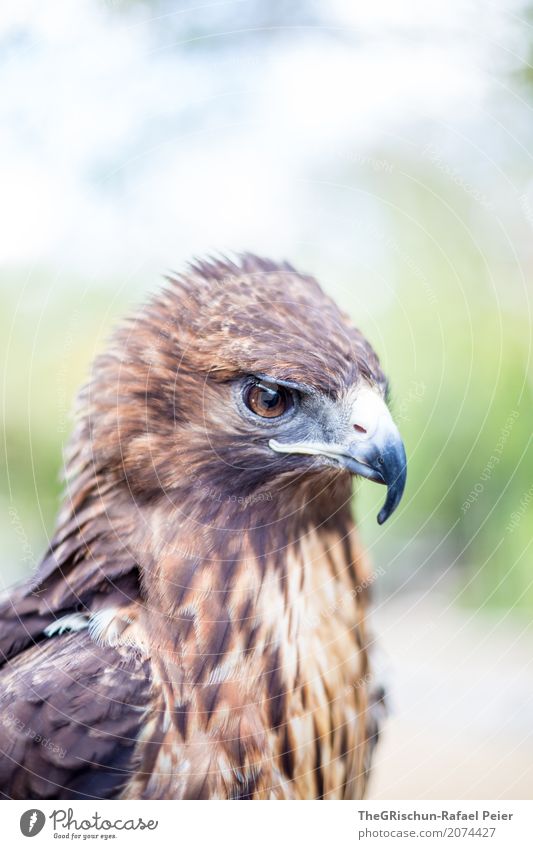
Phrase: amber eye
(267,400)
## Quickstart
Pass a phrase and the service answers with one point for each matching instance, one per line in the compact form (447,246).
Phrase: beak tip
(394,496)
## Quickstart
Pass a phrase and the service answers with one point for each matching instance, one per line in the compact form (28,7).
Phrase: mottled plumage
(197,627)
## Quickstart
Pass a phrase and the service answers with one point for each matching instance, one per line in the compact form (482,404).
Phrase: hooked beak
(373,448)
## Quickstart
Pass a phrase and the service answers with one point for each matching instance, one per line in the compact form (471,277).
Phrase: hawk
(197,627)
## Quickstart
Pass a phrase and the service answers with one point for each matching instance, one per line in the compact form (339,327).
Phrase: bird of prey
(197,628)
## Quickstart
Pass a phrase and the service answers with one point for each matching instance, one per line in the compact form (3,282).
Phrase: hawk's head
(237,378)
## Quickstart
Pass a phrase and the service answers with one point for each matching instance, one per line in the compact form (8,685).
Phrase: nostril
(359,428)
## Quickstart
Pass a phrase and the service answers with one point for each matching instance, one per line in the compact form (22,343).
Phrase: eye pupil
(269,398)
(267,401)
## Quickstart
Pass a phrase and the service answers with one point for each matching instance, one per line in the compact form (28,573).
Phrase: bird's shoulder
(70,715)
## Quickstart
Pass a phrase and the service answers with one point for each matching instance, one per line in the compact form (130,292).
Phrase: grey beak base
(376,453)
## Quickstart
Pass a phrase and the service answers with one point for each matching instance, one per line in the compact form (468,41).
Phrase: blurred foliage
(459,353)
(48,339)
(445,311)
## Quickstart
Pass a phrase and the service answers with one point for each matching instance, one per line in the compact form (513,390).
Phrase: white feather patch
(106,626)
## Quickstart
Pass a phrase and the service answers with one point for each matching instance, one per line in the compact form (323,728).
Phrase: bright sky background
(123,150)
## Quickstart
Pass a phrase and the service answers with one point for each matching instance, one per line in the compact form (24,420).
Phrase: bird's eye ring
(268,400)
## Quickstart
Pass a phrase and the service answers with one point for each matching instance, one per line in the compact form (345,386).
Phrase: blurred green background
(386,153)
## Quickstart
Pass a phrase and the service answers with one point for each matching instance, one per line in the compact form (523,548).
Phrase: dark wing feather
(70,715)
(86,567)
